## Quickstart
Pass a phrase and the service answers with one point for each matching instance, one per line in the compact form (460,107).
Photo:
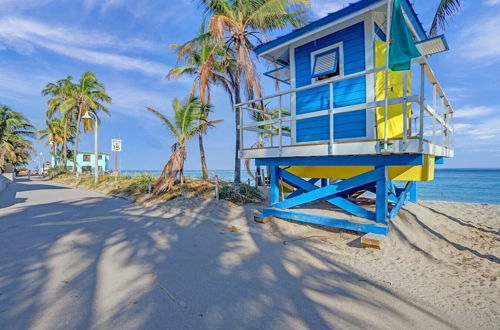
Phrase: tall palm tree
(194,54)
(445,9)
(56,133)
(240,25)
(61,91)
(90,95)
(188,121)
(14,129)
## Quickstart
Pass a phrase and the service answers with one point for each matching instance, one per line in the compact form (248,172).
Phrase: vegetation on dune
(189,120)
(15,131)
(138,188)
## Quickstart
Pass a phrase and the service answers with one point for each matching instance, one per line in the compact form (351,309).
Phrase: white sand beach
(73,258)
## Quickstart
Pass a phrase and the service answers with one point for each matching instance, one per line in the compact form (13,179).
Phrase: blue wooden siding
(348,92)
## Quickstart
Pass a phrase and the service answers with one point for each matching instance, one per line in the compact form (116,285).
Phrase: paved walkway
(74,259)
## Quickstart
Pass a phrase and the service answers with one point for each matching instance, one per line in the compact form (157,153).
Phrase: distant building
(85,162)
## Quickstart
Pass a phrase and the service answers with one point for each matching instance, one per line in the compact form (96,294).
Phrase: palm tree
(61,91)
(188,121)
(14,129)
(56,133)
(445,9)
(90,95)
(195,53)
(242,24)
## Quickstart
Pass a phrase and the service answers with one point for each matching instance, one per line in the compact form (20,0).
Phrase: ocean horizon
(470,185)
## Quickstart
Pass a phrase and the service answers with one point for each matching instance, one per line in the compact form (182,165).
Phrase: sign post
(116,146)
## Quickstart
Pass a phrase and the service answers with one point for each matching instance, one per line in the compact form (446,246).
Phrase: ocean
(453,185)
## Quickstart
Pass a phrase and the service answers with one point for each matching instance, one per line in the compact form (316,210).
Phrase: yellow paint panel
(398,173)
(394,112)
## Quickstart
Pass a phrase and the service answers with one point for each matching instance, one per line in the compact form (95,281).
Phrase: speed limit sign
(116,145)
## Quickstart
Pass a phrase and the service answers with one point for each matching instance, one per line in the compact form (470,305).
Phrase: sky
(126,44)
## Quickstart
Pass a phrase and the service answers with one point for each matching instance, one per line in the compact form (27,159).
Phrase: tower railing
(428,130)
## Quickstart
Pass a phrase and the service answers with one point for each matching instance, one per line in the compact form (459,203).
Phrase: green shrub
(240,193)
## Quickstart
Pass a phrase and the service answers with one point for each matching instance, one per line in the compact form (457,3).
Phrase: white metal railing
(440,113)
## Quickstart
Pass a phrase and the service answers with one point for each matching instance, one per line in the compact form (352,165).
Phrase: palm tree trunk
(204,169)
(76,141)
(237,162)
(65,147)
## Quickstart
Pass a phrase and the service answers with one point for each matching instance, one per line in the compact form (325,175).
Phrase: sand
(443,256)
(76,259)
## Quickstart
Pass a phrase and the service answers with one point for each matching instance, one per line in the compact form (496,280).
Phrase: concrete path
(74,259)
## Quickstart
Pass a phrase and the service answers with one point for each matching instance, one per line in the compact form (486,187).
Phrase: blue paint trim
(439,160)
(381,207)
(413,17)
(367,160)
(340,202)
(360,5)
(335,62)
(401,199)
(441,36)
(414,193)
(299,191)
(379,32)
(268,74)
(326,221)
(274,194)
(329,191)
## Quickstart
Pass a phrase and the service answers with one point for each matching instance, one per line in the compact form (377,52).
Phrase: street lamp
(90,115)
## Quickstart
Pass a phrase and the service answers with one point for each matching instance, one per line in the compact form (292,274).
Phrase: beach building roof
(275,50)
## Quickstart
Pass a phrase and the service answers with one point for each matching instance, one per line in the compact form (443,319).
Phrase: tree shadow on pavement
(103,263)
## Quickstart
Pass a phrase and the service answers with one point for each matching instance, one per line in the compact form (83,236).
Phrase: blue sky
(125,42)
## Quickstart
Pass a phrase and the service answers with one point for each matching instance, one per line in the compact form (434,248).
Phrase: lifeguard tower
(349,130)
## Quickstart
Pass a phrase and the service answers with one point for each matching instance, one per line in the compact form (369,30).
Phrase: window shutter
(326,63)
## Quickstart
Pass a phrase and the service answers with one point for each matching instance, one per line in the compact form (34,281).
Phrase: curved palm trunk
(173,168)
(204,168)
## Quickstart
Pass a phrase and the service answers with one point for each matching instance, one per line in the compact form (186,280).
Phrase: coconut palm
(61,91)
(194,54)
(240,25)
(90,95)
(56,133)
(188,121)
(445,9)
(14,129)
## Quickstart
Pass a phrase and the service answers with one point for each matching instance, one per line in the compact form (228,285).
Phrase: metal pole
(434,105)
(96,152)
(405,110)
(280,128)
(422,100)
(387,44)
(330,117)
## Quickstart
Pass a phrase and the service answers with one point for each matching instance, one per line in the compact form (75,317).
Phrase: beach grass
(139,188)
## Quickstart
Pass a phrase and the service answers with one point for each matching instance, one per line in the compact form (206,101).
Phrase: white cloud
(23,35)
(492,2)
(482,39)
(324,7)
(471,111)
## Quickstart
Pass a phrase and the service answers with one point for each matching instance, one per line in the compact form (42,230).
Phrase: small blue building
(85,162)
(348,125)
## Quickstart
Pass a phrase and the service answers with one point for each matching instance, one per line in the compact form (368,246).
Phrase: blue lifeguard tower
(349,130)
